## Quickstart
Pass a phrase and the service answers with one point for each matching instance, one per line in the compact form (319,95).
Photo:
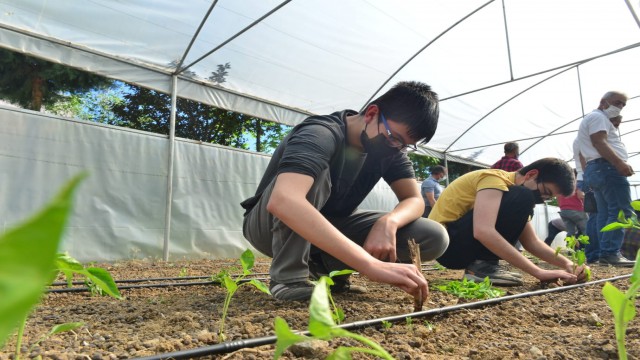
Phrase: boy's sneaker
(616,260)
(297,291)
(480,269)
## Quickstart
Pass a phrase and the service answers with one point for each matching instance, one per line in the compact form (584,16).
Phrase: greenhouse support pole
(172,137)
(446,166)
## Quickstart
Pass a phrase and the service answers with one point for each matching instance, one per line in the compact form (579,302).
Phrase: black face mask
(377,147)
(537,197)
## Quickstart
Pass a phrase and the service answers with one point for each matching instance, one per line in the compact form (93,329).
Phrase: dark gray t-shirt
(319,142)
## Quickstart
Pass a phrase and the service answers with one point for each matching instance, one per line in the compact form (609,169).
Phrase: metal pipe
(235,345)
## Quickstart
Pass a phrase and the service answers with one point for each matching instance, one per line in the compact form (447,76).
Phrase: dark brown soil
(573,324)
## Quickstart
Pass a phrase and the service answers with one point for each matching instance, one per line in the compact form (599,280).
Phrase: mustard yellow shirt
(459,197)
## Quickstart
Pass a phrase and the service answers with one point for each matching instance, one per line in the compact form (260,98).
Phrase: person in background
(487,211)
(606,172)
(572,212)
(431,188)
(555,227)
(509,162)
(304,213)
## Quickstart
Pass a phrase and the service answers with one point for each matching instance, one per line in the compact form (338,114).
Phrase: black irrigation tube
(161,285)
(227,347)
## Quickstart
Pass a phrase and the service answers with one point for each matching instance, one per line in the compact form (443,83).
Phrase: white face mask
(612,111)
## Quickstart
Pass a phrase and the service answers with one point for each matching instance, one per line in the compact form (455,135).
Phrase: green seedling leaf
(635,276)
(616,300)
(103,279)
(260,286)
(27,258)
(320,319)
(635,204)
(621,217)
(341,353)
(65,327)
(229,284)
(341,272)
(285,336)
(613,226)
(247,260)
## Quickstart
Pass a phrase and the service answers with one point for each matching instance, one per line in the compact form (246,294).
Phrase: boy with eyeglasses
(487,211)
(304,213)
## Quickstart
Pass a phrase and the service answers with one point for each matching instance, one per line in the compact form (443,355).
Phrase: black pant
(516,208)
(553,231)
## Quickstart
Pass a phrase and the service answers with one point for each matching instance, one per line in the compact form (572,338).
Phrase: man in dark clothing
(304,213)
(509,162)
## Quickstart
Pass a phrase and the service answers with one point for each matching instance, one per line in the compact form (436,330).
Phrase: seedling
(247,260)
(183,272)
(387,324)
(623,306)
(322,327)
(469,289)
(97,279)
(338,313)
(575,251)
(28,264)
(409,322)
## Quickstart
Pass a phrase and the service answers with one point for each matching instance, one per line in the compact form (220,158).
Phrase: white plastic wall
(119,209)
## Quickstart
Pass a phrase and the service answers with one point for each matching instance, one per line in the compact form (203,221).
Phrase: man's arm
(381,241)
(599,141)
(430,198)
(288,202)
(484,230)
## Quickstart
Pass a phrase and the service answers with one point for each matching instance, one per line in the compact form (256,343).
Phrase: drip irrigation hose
(180,283)
(162,285)
(230,346)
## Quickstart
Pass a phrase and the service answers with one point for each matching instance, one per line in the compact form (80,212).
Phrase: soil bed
(574,324)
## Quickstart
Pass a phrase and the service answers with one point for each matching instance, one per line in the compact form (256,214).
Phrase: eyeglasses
(545,193)
(392,140)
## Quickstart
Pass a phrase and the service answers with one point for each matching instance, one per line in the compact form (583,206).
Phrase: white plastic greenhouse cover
(524,70)
(510,70)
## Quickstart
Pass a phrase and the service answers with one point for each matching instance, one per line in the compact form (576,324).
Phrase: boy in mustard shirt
(487,211)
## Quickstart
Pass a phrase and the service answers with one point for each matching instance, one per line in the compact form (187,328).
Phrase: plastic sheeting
(510,70)
(119,210)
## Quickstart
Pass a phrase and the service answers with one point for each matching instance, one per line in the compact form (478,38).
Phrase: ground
(572,324)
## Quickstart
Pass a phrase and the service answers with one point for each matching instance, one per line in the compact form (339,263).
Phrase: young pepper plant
(247,260)
(27,262)
(322,327)
(338,313)
(575,249)
(623,306)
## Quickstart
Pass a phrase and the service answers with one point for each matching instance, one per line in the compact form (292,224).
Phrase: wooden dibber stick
(414,251)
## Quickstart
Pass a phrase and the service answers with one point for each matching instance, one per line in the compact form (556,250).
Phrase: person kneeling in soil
(487,211)
(304,213)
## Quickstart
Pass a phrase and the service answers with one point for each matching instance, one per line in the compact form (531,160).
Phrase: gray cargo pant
(290,252)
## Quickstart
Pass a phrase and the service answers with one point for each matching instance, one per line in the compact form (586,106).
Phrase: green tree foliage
(149,110)
(32,83)
(422,164)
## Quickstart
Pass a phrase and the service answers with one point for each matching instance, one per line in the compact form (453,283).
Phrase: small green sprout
(322,327)
(469,289)
(623,306)
(409,321)
(247,260)
(387,324)
(338,313)
(183,272)
(429,325)
(97,279)
(576,255)
(438,266)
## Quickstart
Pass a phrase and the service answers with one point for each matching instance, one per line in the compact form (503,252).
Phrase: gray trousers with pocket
(290,252)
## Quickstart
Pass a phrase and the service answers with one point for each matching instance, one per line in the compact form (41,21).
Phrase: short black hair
(414,104)
(437,169)
(555,171)
(511,147)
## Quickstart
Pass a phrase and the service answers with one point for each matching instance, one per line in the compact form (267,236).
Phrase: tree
(149,110)
(422,164)
(32,83)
